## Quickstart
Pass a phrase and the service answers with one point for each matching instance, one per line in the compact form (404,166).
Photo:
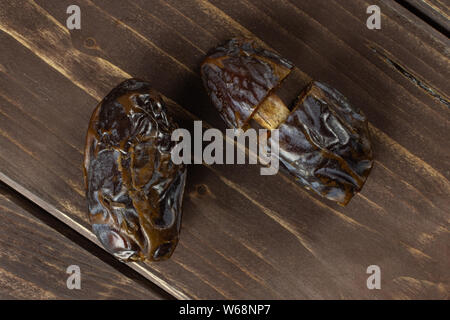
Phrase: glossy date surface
(324,143)
(134,190)
(239,75)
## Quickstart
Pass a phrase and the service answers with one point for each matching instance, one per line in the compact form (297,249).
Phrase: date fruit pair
(135,191)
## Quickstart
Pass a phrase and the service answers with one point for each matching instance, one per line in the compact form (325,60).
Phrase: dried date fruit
(323,140)
(238,76)
(133,188)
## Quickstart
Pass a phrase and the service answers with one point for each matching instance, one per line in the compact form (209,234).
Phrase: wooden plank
(241,240)
(34,257)
(434,12)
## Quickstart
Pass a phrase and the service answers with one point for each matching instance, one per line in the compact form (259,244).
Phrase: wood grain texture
(434,12)
(34,258)
(245,235)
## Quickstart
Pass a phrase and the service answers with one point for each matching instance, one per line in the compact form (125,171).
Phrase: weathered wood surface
(34,258)
(435,12)
(245,235)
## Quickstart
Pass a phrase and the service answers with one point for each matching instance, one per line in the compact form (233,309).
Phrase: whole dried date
(323,141)
(133,188)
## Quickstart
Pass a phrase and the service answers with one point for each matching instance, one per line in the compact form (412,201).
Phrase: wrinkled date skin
(134,190)
(238,76)
(323,140)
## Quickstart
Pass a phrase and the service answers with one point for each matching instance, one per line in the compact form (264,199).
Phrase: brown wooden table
(244,236)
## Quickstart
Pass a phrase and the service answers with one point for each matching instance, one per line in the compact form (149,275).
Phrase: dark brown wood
(34,257)
(245,235)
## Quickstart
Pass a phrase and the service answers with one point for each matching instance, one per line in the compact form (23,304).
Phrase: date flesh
(323,140)
(133,188)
